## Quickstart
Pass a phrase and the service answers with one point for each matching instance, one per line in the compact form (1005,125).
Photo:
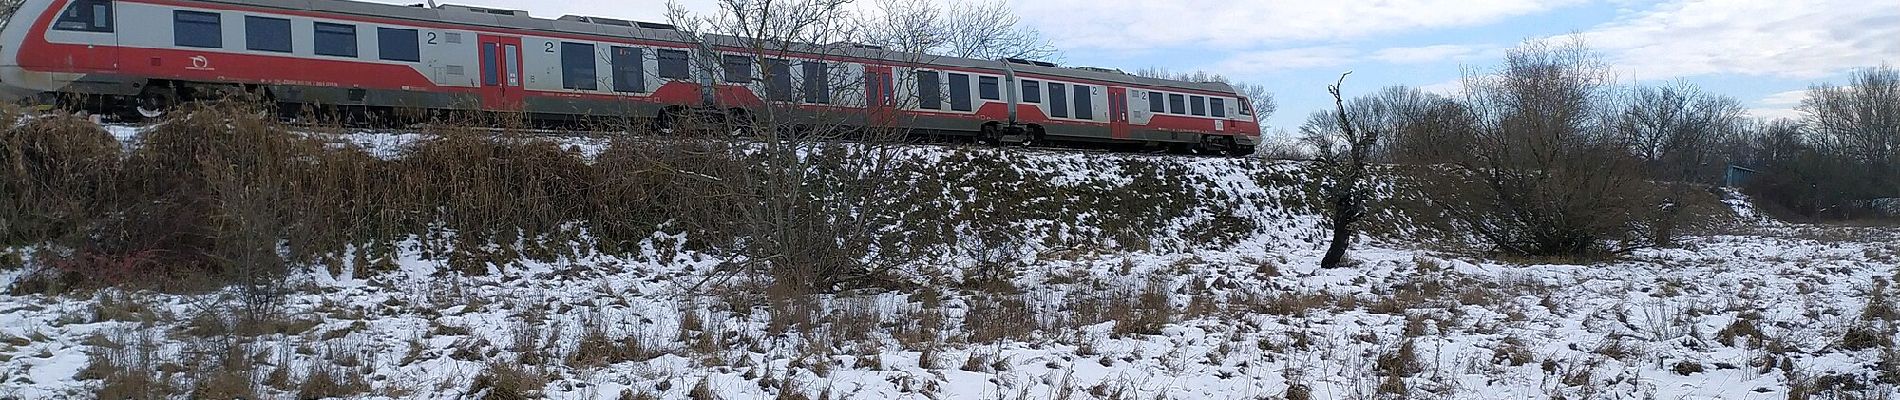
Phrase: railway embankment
(223,255)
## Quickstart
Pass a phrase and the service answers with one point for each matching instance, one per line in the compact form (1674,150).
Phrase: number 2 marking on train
(549,47)
(431,38)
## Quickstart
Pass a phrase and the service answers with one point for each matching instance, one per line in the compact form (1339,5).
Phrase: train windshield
(85,16)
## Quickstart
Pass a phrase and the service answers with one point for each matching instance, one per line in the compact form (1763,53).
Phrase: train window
(629,69)
(989,88)
(1177,104)
(267,34)
(577,67)
(817,83)
(960,92)
(879,89)
(1217,106)
(1084,102)
(491,72)
(673,64)
(1198,105)
(1157,102)
(399,44)
(85,16)
(778,80)
(929,90)
(197,29)
(1246,106)
(1058,100)
(738,68)
(335,39)
(1032,91)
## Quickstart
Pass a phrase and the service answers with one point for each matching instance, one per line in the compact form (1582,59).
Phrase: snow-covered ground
(1751,314)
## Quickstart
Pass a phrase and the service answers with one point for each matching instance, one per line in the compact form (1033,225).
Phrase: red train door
(501,73)
(1118,112)
(880,97)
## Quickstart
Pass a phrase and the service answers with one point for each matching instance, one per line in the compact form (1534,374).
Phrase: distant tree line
(1838,161)
(1546,155)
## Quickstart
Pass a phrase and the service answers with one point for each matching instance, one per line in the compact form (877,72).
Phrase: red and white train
(153,53)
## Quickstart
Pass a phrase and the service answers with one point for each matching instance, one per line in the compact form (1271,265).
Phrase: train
(145,57)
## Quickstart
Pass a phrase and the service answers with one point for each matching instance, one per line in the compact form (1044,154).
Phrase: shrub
(56,174)
(1546,176)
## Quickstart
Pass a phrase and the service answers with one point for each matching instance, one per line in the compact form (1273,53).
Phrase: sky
(1763,53)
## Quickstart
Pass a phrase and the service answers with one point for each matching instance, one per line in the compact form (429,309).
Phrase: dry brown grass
(506,381)
(993,318)
(597,348)
(321,381)
(55,171)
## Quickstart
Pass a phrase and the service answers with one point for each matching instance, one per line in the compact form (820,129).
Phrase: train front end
(28,21)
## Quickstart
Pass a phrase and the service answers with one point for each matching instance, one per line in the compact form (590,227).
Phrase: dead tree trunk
(1348,175)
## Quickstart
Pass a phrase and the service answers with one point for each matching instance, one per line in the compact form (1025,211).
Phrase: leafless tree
(1546,176)
(1861,121)
(803,208)
(1676,130)
(1760,142)
(982,29)
(1844,153)
(1413,126)
(1344,153)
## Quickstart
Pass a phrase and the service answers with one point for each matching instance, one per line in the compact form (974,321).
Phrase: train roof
(626,29)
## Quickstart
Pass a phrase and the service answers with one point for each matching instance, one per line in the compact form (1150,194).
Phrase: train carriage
(150,54)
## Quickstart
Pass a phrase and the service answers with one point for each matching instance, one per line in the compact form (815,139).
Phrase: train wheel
(740,123)
(665,122)
(155,102)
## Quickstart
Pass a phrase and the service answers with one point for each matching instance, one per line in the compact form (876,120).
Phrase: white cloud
(1801,39)
(1148,24)
(1779,105)
(1451,88)
(1426,54)
(1788,98)
(1285,59)
(1774,113)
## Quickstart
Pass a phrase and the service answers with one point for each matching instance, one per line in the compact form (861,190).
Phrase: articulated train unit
(147,55)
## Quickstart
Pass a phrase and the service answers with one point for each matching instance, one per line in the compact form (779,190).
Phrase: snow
(1611,329)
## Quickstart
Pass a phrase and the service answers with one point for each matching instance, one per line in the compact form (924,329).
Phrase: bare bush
(56,171)
(1545,176)
(810,210)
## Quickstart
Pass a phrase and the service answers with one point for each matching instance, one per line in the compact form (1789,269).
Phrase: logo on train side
(200,63)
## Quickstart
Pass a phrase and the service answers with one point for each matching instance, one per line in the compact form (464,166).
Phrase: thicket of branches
(1840,160)
(1545,155)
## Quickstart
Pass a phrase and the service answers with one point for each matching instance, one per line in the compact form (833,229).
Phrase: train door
(880,97)
(1118,112)
(501,73)
(92,22)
